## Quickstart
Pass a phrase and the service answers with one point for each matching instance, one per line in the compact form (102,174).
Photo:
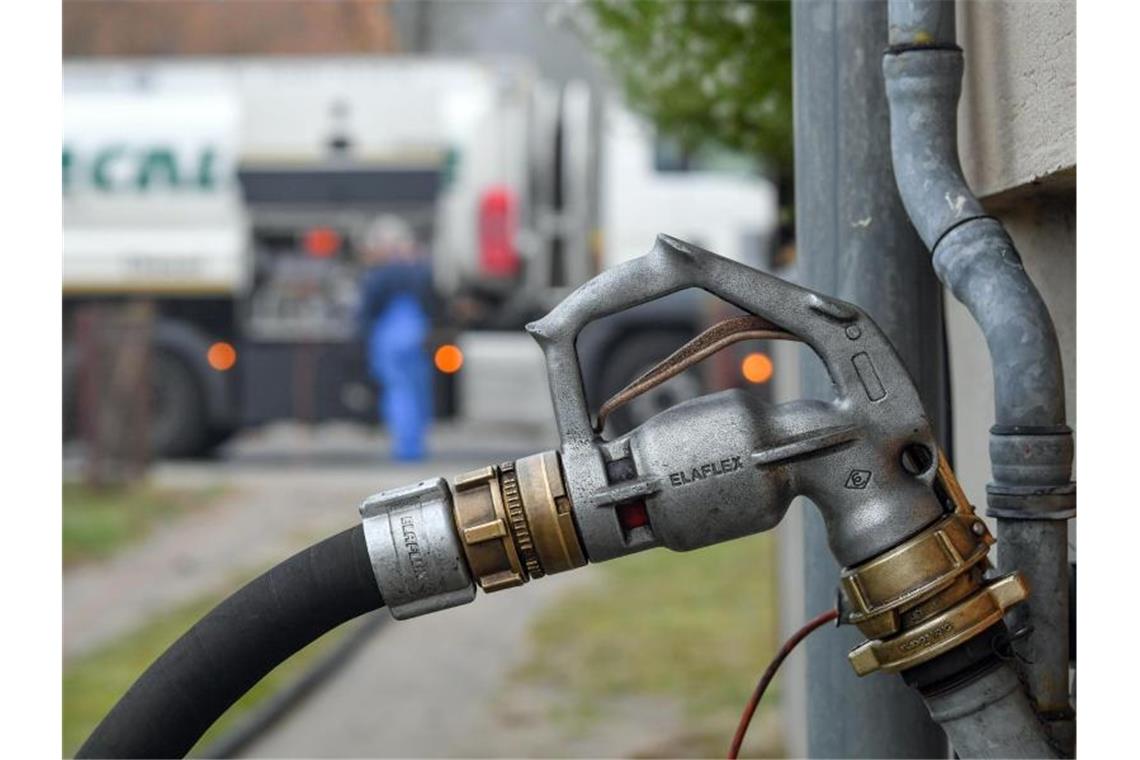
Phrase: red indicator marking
(632,515)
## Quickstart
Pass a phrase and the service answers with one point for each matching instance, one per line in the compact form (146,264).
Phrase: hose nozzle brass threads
(514,522)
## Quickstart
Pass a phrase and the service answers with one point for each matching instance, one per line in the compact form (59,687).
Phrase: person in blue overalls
(396,304)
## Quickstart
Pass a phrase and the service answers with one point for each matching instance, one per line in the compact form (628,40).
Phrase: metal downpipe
(856,242)
(1031,447)
(990,716)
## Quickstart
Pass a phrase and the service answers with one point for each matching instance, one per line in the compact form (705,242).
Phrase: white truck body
(733,214)
(157,160)
(718,210)
(150,202)
(126,120)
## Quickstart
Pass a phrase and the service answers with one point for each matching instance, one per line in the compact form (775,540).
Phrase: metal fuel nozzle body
(714,468)
(844,454)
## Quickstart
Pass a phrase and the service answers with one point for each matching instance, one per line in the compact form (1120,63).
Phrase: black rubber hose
(230,649)
(283,702)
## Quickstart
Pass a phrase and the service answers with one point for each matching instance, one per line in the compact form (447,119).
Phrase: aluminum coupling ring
(415,550)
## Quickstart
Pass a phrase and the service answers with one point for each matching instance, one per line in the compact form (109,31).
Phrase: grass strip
(695,627)
(93,683)
(97,522)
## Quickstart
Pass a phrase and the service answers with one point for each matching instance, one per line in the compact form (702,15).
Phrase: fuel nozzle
(713,469)
(498,527)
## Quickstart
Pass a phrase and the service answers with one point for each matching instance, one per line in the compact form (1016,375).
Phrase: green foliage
(706,71)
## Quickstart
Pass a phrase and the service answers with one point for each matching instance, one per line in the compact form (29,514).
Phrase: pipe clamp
(1031,502)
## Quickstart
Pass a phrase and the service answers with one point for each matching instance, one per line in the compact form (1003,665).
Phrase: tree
(707,71)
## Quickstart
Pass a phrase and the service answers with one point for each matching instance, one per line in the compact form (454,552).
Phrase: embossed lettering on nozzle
(728,464)
(415,549)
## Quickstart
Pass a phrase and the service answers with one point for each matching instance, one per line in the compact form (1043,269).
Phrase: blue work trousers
(398,362)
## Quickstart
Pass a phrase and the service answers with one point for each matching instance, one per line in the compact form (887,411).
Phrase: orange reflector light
(322,242)
(448,359)
(757,368)
(221,356)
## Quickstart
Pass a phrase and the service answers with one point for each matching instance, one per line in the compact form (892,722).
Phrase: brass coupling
(515,523)
(928,594)
(942,632)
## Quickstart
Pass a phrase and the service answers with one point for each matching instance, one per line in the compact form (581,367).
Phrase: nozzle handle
(862,364)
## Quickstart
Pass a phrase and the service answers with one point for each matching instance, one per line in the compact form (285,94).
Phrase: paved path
(440,686)
(284,488)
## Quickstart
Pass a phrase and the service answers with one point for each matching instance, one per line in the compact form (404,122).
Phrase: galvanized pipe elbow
(978,262)
(973,254)
(923,87)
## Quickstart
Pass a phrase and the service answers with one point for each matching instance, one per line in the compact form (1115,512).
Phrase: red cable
(770,673)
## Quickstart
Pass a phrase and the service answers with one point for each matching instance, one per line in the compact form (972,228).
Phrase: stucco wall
(1018,120)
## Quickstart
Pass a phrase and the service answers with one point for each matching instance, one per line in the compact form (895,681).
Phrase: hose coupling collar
(415,550)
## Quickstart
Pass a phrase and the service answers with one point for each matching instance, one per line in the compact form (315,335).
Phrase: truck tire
(178,413)
(179,420)
(633,355)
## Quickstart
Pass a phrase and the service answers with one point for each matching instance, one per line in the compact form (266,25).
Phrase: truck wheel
(632,356)
(178,425)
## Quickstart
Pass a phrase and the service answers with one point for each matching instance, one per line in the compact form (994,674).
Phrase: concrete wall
(1017,135)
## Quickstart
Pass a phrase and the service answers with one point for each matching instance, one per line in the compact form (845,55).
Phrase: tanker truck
(234,193)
